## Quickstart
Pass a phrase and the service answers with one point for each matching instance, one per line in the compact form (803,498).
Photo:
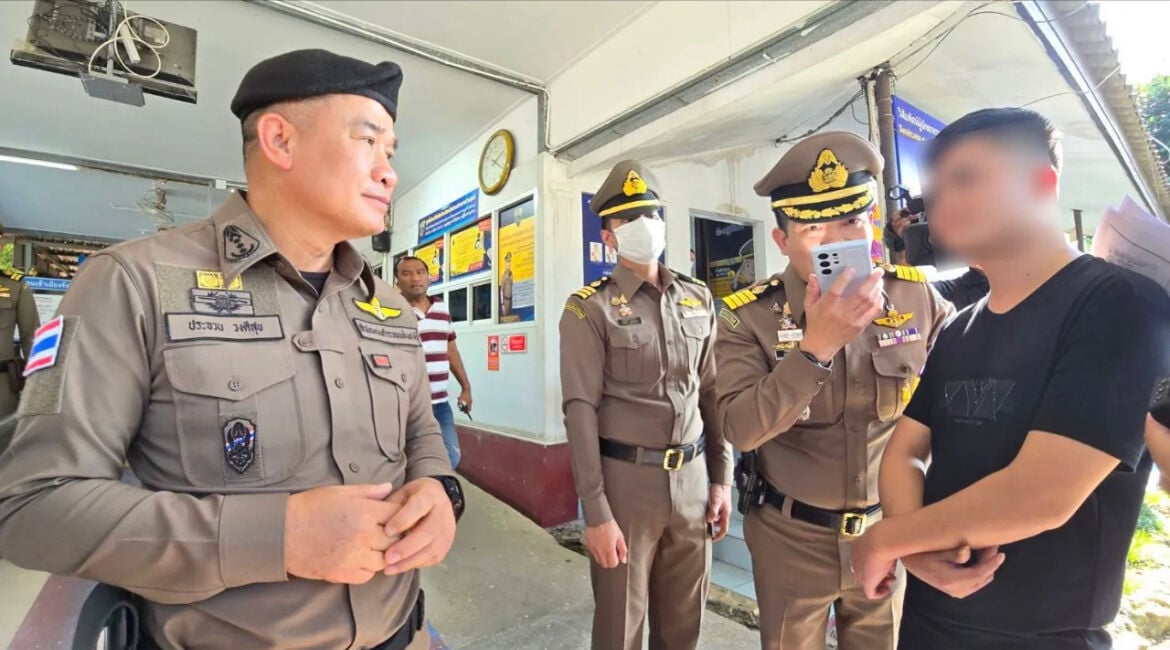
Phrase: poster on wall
(471,249)
(517,263)
(452,216)
(47,295)
(599,259)
(432,255)
(493,353)
(913,128)
(731,257)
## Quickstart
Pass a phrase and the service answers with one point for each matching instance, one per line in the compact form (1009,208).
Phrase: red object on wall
(517,343)
(535,479)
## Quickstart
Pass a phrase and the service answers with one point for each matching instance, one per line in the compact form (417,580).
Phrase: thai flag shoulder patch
(46,344)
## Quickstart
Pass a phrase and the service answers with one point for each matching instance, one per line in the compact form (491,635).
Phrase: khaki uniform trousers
(9,400)
(801,569)
(663,516)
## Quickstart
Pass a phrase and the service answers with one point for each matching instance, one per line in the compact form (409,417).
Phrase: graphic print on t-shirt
(978,399)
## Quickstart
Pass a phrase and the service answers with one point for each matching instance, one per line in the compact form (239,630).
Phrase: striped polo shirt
(435,331)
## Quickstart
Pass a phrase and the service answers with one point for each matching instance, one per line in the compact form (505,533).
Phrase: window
(457,304)
(481,301)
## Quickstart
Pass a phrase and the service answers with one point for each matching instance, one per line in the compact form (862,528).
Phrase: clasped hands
(950,571)
(349,533)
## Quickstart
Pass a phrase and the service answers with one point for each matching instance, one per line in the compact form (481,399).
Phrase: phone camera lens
(823,256)
(825,264)
(826,271)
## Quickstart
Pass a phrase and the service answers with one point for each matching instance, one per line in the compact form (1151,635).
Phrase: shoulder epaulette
(14,274)
(740,298)
(907,273)
(686,278)
(587,291)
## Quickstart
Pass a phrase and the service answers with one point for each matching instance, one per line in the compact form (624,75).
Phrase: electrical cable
(134,36)
(1075,92)
(786,138)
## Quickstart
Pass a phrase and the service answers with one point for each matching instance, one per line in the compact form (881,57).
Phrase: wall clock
(495,163)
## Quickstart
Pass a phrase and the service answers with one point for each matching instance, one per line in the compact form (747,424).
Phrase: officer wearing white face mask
(652,468)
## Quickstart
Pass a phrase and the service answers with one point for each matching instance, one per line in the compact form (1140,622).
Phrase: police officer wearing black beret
(266,387)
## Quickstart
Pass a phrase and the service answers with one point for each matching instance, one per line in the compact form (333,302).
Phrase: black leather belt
(414,623)
(670,460)
(849,523)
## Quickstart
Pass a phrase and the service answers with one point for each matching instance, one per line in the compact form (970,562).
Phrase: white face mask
(642,240)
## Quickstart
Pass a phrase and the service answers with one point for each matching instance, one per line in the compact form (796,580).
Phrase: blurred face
(413,279)
(337,153)
(985,196)
(801,238)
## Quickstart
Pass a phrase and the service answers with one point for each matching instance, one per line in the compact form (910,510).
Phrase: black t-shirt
(967,289)
(316,279)
(1077,358)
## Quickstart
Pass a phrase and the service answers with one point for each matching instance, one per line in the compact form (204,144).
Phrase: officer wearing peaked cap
(809,388)
(18,315)
(652,468)
(268,390)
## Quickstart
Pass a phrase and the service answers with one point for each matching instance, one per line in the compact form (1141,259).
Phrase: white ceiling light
(38,163)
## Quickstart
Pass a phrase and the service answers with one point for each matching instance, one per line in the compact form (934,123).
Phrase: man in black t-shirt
(1030,414)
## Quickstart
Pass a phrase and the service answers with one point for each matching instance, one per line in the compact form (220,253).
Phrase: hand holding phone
(829,261)
(839,313)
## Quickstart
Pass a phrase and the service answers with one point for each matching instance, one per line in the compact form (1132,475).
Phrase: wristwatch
(1160,402)
(454,491)
(812,357)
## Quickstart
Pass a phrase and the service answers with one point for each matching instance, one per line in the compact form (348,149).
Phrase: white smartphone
(829,261)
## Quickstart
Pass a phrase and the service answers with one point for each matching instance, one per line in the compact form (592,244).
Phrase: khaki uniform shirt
(640,372)
(17,312)
(820,432)
(225,402)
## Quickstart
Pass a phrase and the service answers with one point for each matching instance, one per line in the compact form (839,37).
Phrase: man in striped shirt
(438,341)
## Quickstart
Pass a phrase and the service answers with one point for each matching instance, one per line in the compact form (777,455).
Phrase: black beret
(311,73)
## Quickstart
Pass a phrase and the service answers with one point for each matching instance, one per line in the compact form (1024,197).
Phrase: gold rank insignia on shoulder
(907,273)
(587,291)
(374,308)
(14,274)
(742,297)
(575,309)
(690,301)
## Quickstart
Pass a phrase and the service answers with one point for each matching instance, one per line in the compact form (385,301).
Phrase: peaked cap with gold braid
(825,177)
(626,193)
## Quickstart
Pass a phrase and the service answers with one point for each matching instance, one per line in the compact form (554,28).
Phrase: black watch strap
(454,491)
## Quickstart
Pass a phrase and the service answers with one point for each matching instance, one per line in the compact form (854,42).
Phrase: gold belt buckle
(673,460)
(852,524)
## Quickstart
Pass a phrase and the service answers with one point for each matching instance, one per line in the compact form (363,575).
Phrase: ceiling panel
(536,38)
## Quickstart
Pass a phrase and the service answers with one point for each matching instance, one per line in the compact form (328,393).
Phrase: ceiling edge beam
(93,164)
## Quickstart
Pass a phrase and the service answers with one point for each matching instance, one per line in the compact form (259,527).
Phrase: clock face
(496,162)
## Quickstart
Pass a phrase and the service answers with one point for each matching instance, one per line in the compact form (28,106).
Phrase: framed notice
(432,255)
(517,263)
(471,249)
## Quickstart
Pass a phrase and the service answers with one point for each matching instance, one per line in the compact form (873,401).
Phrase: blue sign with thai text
(913,129)
(47,284)
(454,215)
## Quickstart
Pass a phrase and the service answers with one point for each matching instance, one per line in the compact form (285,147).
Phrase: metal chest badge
(623,305)
(893,318)
(789,333)
(239,443)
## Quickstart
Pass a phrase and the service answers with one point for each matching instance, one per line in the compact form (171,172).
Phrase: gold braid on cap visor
(788,206)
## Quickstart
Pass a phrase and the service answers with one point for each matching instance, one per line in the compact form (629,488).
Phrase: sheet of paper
(1133,238)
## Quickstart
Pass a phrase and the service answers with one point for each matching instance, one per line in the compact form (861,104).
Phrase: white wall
(512,400)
